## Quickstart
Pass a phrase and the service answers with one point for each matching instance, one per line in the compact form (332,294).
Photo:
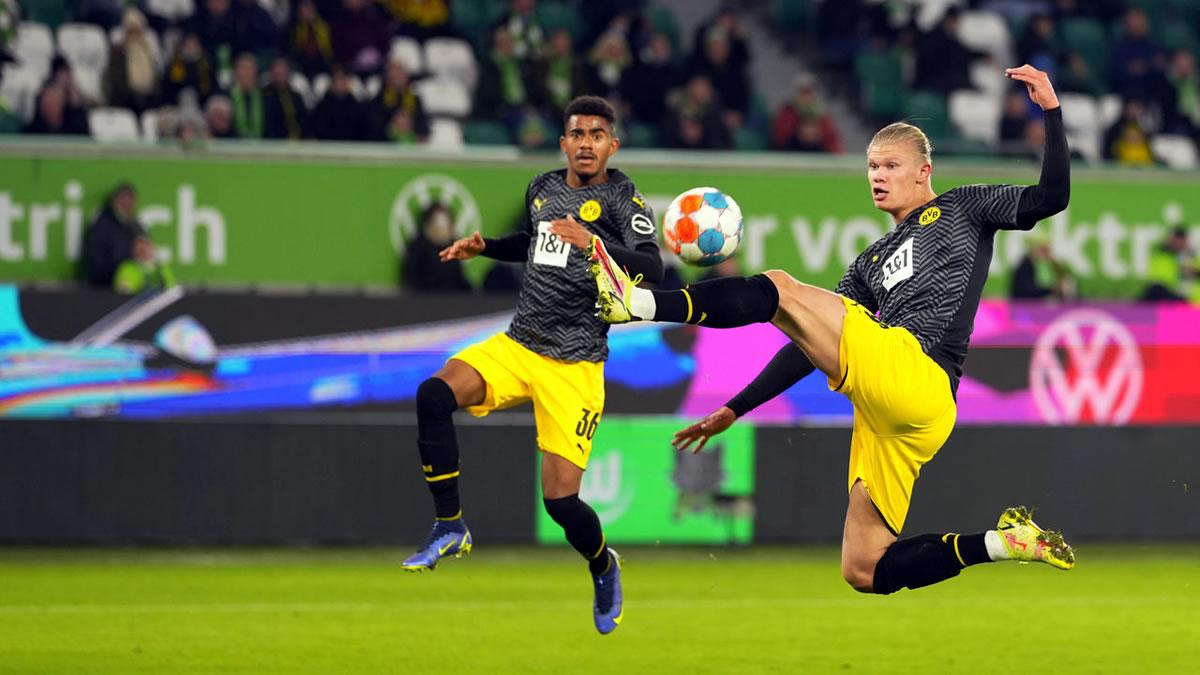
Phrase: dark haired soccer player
(892,339)
(553,352)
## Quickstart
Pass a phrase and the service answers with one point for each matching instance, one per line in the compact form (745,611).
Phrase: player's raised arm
(1053,191)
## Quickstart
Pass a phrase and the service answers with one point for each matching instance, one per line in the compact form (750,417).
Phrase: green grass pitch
(1128,609)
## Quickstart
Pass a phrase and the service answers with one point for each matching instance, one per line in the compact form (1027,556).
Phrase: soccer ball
(703,226)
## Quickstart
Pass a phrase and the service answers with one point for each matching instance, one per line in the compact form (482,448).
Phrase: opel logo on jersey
(590,210)
(417,195)
(929,215)
(1098,377)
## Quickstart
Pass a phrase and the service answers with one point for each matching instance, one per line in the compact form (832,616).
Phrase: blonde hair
(903,132)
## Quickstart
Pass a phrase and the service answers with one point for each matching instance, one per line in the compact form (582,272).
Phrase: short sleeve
(992,206)
(853,286)
(635,218)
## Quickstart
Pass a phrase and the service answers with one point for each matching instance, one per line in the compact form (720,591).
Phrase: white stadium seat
(372,86)
(1179,152)
(452,57)
(83,45)
(300,83)
(989,79)
(408,52)
(444,96)
(113,124)
(90,83)
(1110,110)
(171,10)
(34,46)
(1081,117)
(320,84)
(150,125)
(445,133)
(975,114)
(20,89)
(987,32)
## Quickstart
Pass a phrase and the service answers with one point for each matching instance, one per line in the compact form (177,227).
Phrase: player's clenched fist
(1037,83)
(467,247)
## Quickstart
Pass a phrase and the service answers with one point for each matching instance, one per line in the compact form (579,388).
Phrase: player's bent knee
(435,398)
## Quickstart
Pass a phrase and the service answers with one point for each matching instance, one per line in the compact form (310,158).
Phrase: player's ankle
(642,304)
(995,546)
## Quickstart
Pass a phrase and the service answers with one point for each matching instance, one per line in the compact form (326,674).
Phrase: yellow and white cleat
(613,285)
(1026,542)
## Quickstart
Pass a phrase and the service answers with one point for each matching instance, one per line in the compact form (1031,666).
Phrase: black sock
(582,527)
(927,559)
(720,303)
(438,445)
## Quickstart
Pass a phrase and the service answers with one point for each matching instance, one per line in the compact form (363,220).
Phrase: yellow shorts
(568,396)
(903,409)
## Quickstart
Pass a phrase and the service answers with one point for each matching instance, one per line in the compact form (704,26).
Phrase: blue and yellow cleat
(449,537)
(608,608)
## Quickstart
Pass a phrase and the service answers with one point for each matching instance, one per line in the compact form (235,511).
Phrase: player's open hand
(1037,83)
(463,249)
(703,430)
(569,230)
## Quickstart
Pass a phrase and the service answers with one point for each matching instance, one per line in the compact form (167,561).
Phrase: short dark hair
(591,105)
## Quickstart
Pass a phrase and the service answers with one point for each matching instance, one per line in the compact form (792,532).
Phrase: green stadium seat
(53,13)
(882,83)
(10,123)
(928,110)
(640,135)
(750,139)
(664,21)
(793,15)
(1178,35)
(555,15)
(485,132)
(1088,38)
(474,18)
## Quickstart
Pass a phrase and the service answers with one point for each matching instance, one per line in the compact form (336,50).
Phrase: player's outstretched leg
(438,446)
(718,303)
(929,558)
(582,528)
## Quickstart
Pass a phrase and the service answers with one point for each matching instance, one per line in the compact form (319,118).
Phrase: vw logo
(1086,361)
(418,194)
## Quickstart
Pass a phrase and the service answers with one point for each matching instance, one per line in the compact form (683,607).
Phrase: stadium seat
(1087,37)
(117,34)
(640,135)
(150,125)
(444,96)
(451,57)
(52,13)
(749,139)
(795,16)
(879,75)
(474,18)
(557,15)
(171,10)
(987,32)
(445,133)
(113,124)
(300,83)
(408,52)
(975,115)
(90,83)
(10,122)
(83,45)
(989,79)
(1110,110)
(371,87)
(320,85)
(486,132)
(664,21)
(1081,117)
(1178,35)
(928,110)
(34,46)
(1179,152)
(20,89)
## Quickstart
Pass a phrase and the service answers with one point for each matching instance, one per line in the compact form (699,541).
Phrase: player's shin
(927,559)
(581,526)
(717,303)
(438,445)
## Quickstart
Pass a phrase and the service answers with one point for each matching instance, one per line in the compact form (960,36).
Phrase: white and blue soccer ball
(703,226)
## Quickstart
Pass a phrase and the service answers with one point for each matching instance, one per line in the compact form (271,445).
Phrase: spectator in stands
(506,83)
(143,271)
(1128,139)
(721,55)
(943,61)
(423,269)
(246,98)
(285,114)
(218,115)
(608,59)
(1039,46)
(339,116)
(645,83)
(562,74)
(185,123)
(694,120)
(1171,265)
(360,37)
(55,117)
(254,30)
(1015,117)
(1138,63)
(1182,114)
(839,28)
(1105,10)
(310,41)
(131,80)
(1080,77)
(803,124)
(420,19)
(110,238)
(1039,275)
(522,26)
(532,129)
(190,68)
(213,24)
(397,111)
